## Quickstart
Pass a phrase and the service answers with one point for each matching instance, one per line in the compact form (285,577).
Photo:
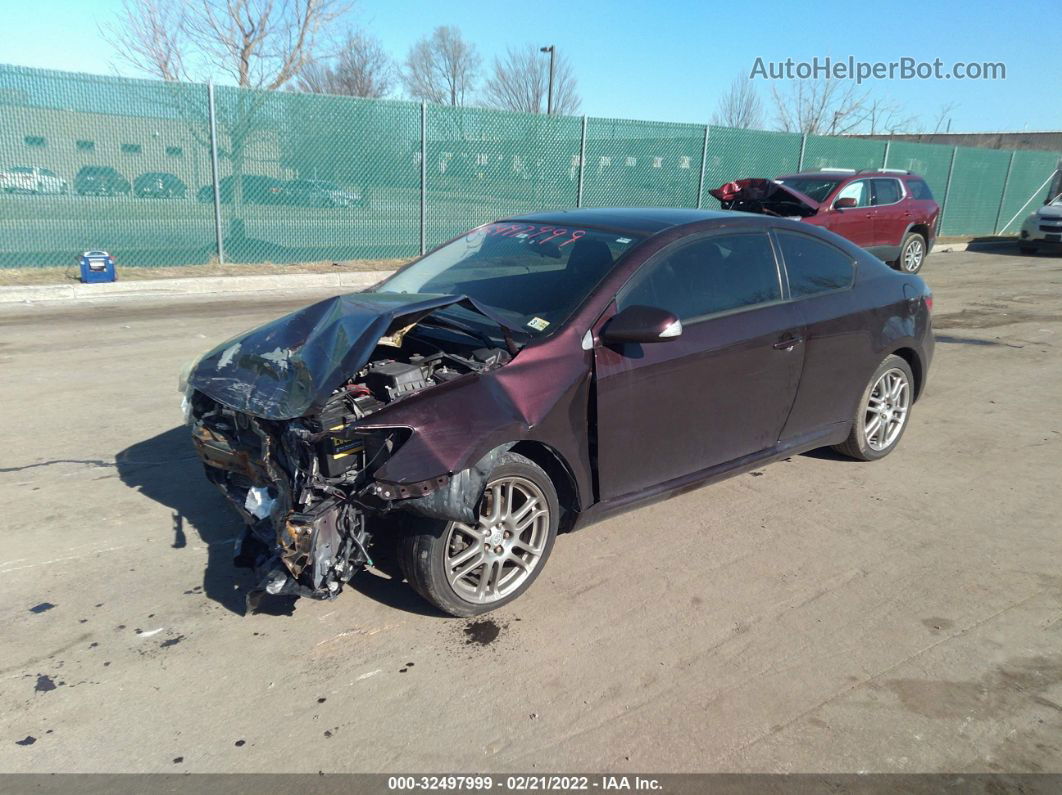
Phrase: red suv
(890,213)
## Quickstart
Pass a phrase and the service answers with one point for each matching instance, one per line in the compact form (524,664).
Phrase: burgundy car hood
(767,193)
(289,367)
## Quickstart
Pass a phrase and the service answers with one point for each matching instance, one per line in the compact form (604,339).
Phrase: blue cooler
(97,266)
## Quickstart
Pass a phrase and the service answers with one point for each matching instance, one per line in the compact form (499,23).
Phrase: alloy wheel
(486,562)
(887,409)
(913,254)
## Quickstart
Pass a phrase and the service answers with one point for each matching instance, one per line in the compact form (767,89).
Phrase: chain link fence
(164,173)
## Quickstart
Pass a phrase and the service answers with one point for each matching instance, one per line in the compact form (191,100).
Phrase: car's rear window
(919,189)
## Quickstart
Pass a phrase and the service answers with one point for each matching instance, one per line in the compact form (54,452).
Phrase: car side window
(814,266)
(919,189)
(887,191)
(714,274)
(858,190)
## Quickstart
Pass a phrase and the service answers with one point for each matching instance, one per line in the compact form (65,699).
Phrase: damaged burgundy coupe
(540,373)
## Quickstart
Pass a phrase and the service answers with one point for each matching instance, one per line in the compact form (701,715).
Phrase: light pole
(552,50)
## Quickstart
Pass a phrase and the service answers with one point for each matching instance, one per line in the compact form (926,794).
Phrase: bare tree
(441,68)
(362,69)
(821,107)
(520,82)
(943,118)
(151,35)
(740,106)
(258,43)
(888,117)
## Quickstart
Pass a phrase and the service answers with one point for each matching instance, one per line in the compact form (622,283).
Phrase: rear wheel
(466,569)
(881,417)
(912,253)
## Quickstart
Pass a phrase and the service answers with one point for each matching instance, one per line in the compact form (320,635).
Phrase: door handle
(787,343)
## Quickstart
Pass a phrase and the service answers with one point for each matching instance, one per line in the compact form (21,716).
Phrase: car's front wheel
(883,411)
(912,253)
(466,569)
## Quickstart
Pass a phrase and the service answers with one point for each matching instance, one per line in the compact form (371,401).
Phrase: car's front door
(722,389)
(854,223)
(891,217)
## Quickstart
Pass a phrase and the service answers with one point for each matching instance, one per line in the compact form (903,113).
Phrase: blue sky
(671,60)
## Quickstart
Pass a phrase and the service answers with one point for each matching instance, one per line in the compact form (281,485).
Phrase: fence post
(947,191)
(1003,194)
(582,165)
(803,143)
(704,163)
(423,178)
(218,233)
(885,162)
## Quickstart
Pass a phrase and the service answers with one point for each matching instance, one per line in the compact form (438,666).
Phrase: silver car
(1042,229)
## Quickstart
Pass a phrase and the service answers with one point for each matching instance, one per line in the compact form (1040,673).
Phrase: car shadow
(998,248)
(166,469)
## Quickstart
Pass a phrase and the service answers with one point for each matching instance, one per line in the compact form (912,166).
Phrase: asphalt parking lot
(816,615)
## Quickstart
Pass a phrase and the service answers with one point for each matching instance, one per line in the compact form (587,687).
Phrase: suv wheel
(468,569)
(912,253)
(883,412)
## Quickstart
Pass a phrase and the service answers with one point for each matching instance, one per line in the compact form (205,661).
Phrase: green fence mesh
(96,162)
(734,154)
(126,165)
(972,200)
(1027,187)
(831,152)
(485,164)
(642,164)
(306,177)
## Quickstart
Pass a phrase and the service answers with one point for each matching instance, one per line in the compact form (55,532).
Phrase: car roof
(843,175)
(640,221)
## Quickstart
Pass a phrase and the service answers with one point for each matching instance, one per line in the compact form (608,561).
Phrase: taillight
(929,302)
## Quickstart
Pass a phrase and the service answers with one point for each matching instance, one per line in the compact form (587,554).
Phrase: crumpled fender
(450,440)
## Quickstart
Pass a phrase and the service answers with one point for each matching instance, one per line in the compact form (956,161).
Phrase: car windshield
(817,188)
(533,275)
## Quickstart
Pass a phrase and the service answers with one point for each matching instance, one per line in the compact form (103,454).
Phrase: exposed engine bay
(304,485)
(763,196)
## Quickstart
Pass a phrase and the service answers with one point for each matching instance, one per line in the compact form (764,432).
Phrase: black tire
(912,243)
(856,445)
(1026,249)
(422,547)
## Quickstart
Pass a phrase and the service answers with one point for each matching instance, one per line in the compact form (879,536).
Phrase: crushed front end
(298,485)
(298,463)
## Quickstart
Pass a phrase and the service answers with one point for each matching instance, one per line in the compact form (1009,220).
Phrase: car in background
(891,213)
(1042,229)
(320,193)
(542,372)
(159,185)
(254,189)
(100,181)
(31,179)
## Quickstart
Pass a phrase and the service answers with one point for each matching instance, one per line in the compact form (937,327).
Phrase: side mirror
(844,204)
(642,324)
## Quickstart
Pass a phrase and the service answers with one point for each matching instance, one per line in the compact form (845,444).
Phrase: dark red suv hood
(761,191)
